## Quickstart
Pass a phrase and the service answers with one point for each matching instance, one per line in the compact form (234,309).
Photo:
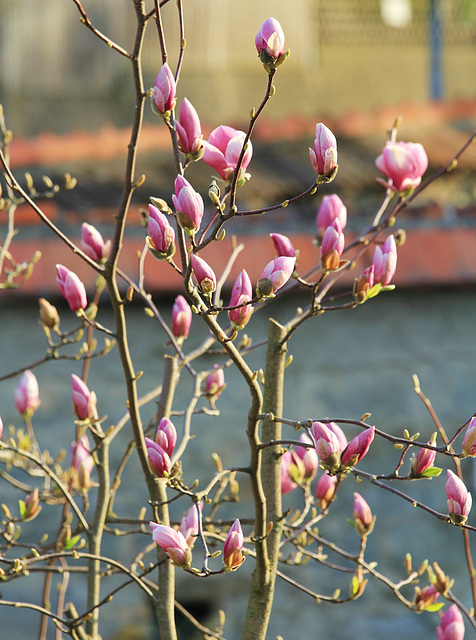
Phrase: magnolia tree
(314,457)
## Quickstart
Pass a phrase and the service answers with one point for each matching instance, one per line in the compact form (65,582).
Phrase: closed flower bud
(458,498)
(181,318)
(403,163)
(451,626)
(325,489)
(423,460)
(173,543)
(93,244)
(32,506)
(189,525)
(363,284)
(84,400)
(425,597)
(242,292)
(385,261)
(292,471)
(324,154)
(275,275)
(331,208)
(159,461)
(469,441)
(166,436)
(48,314)
(232,549)
(308,457)
(188,205)
(27,397)
(164,91)
(357,448)
(71,288)
(332,246)
(269,43)
(283,245)
(189,131)
(222,151)
(215,382)
(204,275)
(160,240)
(330,441)
(364,521)
(81,461)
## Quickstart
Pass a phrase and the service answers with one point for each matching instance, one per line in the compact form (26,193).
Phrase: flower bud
(188,205)
(403,163)
(363,284)
(283,245)
(166,436)
(385,261)
(160,240)
(84,401)
(232,549)
(458,498)
(93,244)
(71,288)
(189,131)
(222,151)
(324,155)
(332,246)
(425,597)
(308,457)
(357,448)
(331,208)
(451,626)
(81,461)
(204,275)
(31,506)
(159,461)
(173,543)
(27,396)
(189,525)
(215,382)
(48,314)
(330,441)
(269,43)
(164,91)
(292,471)
(181,318)
(469,440)
(423,460)
(325,489)
(275,275)
(242,292)
(364,521)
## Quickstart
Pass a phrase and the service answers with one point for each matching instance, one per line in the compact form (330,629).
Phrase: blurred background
(355,65)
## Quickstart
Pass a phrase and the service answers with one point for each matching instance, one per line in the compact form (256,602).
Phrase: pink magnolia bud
(469,440)
(363,284)
(32,506)
(364,521)
(242,292)
(385,261)
(189,525)
(232,549)
(215,382)
(160,240)
(80,455)
(164,91)
(403,163)
(292,471)
(308,457)
(27,395)
(270,39)
(223,149)
(324,155)
(84,401)
(166,436)
(283,245)
(423,460)
(425,597)
(92,243)
(331,208)
(181,318)
(173,543)
(275,275)
(204,275)
(325,489)
(458,498)
(188,205)
(189,131)
(330,440)
(451,626)
(357,448)
(71,288)
(332,247)
(159,461)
